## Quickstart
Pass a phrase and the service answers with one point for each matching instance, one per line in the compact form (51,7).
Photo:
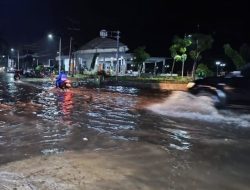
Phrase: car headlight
(190,85)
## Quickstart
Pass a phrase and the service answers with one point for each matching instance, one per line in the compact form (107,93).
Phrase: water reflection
(181,137)
(65,102)
(62,117)
(42,120)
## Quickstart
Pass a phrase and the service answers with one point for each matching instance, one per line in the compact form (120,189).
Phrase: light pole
(12,49)
(113,34)
(50,36)
(217,68)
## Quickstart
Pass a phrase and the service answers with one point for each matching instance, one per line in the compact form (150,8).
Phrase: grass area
(157,79)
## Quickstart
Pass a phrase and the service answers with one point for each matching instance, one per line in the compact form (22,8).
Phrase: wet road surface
(147,140)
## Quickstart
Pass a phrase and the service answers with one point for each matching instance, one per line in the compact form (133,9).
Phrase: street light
(50,36)
(222,65)
(217,67)
(113,34)
(12,49)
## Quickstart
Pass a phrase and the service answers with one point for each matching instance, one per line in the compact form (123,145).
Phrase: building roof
(101,43)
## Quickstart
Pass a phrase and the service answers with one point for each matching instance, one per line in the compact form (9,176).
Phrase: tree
(39,68)
(140,56)
(178,51)
(200,43)
(234,56)
(203,71)
(245,52)
(173,50)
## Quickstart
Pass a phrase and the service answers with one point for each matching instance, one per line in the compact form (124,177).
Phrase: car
(232,89)
(33,74)
(10,70)
(30,74)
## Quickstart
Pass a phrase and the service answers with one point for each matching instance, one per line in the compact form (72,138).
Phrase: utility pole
(60,49)
(117,54)
(105,34)
(71,69)
(17,59)
(8,60)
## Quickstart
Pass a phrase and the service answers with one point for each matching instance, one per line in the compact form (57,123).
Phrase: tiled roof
(101,43)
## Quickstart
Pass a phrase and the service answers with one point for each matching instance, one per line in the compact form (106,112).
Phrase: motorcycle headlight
(190,85)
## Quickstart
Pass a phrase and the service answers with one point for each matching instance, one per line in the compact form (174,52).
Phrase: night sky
(151,23)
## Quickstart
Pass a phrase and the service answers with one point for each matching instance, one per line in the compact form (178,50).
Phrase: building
(100,54)
(64,62)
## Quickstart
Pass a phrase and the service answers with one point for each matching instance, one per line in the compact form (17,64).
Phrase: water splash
(185,105)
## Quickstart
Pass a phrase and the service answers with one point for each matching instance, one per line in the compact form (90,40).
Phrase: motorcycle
(66,84)
(17,76)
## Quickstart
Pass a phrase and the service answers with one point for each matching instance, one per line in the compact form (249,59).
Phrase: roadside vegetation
(190,60)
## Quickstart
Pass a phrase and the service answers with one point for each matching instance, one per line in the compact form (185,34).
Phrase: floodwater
(122,138)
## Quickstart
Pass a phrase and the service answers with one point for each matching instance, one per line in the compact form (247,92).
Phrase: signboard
(103,33)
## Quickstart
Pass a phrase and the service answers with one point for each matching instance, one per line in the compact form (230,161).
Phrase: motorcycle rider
(61,78)
(17,75)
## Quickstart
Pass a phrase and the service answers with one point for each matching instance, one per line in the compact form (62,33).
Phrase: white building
(100,54)
(64,62)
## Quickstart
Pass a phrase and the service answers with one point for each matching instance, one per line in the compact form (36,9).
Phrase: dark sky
(152,23)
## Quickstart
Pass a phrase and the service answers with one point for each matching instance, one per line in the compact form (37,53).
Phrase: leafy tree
(203,71)
(200,43)
(178,51)
(245,52)
(234,56)
(140,56)
(39,68)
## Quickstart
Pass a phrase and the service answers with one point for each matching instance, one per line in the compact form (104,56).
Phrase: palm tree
(178,51)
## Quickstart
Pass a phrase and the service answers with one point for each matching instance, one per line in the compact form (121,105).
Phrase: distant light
(223,65)
(12,49)
(3,56)
(103,33)
(50,36)
(217,62)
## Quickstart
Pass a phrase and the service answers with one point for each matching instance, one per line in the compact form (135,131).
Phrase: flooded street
(118,138)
